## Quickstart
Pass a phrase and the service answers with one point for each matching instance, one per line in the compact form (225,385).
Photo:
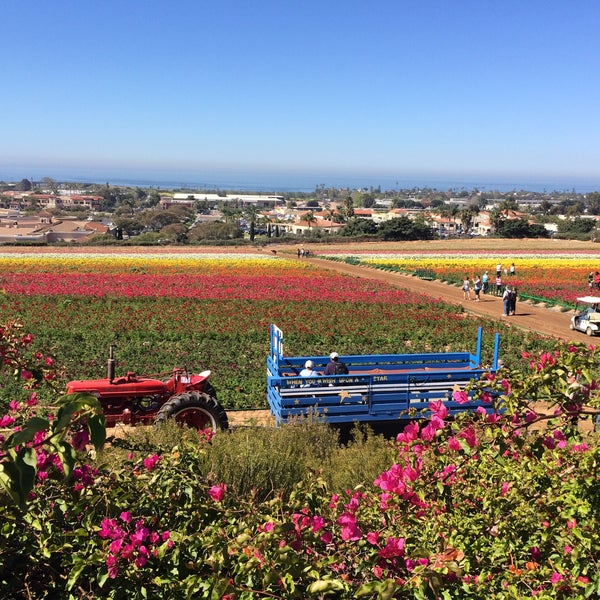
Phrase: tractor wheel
(210,390)
(194,409)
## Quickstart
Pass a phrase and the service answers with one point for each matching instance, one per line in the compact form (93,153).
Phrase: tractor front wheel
(194,409)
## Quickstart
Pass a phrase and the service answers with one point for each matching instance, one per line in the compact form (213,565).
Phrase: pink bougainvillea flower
(581,447)
(7,421)
(453,444)
(373,537)
(327,537)
(394,547)
(80,440)
(530,416)
(216,492)
(151,461)
(350,530)
(556,577)
(409,434)
(110,529)
(469,436)
(439,409)
(460,396)
(536,554)
(318,523)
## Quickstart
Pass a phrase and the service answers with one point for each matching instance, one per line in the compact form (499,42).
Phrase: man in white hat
(335,366)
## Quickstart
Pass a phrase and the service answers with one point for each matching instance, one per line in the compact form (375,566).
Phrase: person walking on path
(466,287)
(485,280)
(506,301)
(498,285)
(512,307)
(477,288)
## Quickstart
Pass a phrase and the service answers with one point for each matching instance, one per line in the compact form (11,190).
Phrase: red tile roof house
(301,227)
(44,229)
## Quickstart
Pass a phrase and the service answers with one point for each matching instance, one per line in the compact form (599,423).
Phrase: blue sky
(428,87)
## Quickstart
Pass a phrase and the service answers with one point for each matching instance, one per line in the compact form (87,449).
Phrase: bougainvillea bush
(483,506)
(213,312)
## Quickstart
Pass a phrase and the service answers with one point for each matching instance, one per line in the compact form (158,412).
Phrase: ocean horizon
(282,182)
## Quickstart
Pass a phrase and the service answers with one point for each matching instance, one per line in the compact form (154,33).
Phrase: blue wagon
(378,387)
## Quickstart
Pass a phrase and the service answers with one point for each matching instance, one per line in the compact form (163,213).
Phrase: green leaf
(97,429)
(67,455)
(27,433)
(21,473)
(325,585)
(74,574)
(102,578)
(385,589)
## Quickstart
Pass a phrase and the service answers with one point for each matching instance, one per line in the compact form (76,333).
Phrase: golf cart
(587,315)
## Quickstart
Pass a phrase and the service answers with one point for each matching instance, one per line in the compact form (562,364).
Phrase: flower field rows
(213,312)
(557,278)
(500,505)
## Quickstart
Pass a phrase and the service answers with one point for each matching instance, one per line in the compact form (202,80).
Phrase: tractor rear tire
(194,409)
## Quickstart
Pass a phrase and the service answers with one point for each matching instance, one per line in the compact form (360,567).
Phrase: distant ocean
(255,181)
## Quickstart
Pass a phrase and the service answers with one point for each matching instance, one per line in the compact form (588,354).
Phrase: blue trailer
(378,387)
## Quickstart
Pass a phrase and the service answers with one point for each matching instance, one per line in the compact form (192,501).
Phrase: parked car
(587,315)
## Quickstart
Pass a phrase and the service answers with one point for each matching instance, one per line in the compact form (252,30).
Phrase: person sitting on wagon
(335,366)
(309,370)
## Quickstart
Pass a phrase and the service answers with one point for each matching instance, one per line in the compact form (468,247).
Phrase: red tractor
(189,399)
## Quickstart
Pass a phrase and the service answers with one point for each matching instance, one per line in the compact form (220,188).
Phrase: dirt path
(534,317)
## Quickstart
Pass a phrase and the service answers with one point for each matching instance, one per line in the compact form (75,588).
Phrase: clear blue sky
(461,87)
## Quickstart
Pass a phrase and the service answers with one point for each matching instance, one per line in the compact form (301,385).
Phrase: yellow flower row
(474,264)
(151,264)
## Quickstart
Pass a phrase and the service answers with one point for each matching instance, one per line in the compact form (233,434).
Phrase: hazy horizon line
(299,181)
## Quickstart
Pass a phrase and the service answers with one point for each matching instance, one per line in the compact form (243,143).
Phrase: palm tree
(310,218)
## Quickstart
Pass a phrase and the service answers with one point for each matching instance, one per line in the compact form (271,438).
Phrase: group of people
(482,285)
(594,281)
(334,367)
(302,251)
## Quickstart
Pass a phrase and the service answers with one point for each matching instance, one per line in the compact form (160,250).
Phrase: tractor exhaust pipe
(111,364)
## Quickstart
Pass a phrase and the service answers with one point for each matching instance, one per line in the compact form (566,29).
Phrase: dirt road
(534,317)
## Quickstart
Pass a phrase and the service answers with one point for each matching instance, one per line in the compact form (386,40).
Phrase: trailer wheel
(194,409)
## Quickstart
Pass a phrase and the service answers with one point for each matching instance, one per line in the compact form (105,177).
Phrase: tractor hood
(129,385)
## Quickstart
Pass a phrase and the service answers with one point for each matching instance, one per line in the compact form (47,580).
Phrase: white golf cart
(587,315)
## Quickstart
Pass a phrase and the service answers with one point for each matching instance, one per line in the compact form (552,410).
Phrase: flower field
(213,311)
(559,278)
(478,506)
